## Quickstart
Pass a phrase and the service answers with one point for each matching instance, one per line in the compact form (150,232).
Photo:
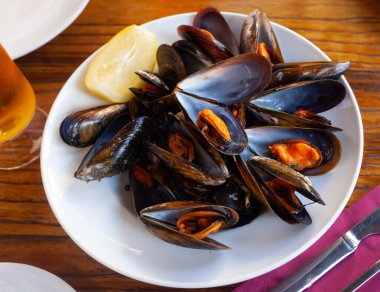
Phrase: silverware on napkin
(327,259)
(363,278)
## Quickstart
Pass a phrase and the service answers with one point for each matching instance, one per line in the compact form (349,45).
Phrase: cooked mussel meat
(312,151)
(189,223)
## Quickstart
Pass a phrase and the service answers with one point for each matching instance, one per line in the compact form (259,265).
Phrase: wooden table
(29,232)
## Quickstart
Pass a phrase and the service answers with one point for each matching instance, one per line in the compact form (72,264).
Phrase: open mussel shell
(279,118)
(235,195)
(287,206)
(188,170)
(161,221)
(192,108)
(315,96)
(256,31)
(308,71)
(171,68)
(152,79)
(119,153)
(284,172)
(147,190)
(82,128)
(191,58)
(212,20)
(261,138)
(205,42)
(177,133)
(231,81)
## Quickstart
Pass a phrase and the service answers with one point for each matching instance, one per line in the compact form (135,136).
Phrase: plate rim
(248,276)
(44,39)
(25,268)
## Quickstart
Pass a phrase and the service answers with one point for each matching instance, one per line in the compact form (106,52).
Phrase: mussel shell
(205,42)
(205,156)
(257,29)
(315,96)
(161,221)
(82,128)
(192,106)
(152,79)
(138,109)
(212,20)
(280,203)
(171,68)
(188,170)
(255,179)
(327,143)
(231,81)
(284,172)
(289,120)
(122,151)
(235,195)
(112,129)
(192,60)
(312,71)
(145,196)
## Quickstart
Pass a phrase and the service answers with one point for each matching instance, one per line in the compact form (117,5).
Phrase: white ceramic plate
(98,216)
(20,277)
(26,25)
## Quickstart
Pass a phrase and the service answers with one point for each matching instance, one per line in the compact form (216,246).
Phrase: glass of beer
(21,125)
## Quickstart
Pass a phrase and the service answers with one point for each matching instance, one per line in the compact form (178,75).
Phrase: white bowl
(99,217)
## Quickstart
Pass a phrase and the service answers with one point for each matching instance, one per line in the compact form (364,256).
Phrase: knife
(327,259)
(363,278)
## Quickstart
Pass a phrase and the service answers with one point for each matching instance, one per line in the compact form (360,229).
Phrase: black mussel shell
(204,155)
(315,96)
(212,20)
(122,151)
(147,190)
(82,128)
(284,172)
(152,79)
(192,107)
(308,71)
(205,42)
(261,138)
(161,221)
(171,68)
(235,195)
(257,29)
(279,118)
(231,81)
(138,109)
(112,129)
(188,170)
(288,208)
(191,58)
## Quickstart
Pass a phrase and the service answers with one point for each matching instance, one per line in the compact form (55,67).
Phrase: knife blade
(363,278)
(332,255)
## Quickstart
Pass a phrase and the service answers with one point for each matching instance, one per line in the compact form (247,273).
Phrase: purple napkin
(346,271)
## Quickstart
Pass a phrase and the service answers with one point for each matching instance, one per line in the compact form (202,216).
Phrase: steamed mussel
(222,131)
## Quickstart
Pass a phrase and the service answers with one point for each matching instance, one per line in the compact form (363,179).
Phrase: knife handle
(320,265)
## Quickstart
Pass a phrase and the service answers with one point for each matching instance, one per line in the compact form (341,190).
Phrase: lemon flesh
(112,72)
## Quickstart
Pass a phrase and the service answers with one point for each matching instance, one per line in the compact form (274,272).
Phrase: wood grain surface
(29,232)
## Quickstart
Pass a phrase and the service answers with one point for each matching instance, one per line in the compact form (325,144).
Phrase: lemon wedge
(112,72)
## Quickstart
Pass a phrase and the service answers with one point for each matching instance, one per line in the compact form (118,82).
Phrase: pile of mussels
(223,131)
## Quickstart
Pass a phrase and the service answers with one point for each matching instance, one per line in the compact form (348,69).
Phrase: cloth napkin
(347,270)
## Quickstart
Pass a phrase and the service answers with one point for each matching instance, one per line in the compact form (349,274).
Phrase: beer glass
(21,124)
